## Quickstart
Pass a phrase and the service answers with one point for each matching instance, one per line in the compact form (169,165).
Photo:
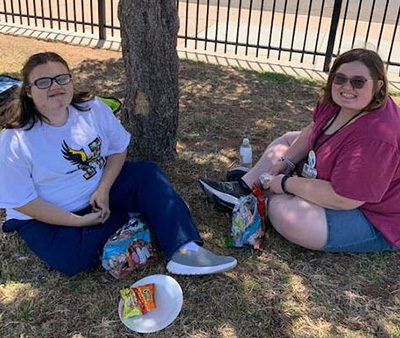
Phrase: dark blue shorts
(351,231)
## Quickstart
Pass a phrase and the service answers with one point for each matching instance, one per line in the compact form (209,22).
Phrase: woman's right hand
(49,213)
(280,168)
(92,218)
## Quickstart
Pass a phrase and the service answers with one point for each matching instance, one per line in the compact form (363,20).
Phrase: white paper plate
(169,300)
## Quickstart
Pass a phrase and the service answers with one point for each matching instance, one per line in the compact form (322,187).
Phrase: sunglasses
(357,82)
(46,82)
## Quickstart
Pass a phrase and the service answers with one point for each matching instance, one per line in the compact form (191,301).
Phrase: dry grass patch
(284,291)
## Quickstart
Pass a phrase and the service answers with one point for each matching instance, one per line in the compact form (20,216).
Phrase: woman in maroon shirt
(346,196)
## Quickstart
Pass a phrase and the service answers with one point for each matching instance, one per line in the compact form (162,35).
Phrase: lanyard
(327,127)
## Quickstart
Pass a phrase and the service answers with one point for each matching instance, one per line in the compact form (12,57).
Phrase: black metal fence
(303,30)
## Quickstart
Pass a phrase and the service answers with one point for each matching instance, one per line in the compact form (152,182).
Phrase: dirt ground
(283,291)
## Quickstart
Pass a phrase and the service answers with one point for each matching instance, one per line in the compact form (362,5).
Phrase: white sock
(191,246)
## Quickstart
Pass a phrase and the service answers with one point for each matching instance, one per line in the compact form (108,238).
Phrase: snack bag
(261,204)
(138,300)
(129,249)
(248,220)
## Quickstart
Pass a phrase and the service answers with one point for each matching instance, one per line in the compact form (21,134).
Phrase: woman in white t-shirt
(65,184)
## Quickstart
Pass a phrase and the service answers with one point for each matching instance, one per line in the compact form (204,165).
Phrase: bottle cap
(265,177)
(246,141)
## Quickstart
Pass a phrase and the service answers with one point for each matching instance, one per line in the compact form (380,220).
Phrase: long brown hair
(21,111)
(376,67)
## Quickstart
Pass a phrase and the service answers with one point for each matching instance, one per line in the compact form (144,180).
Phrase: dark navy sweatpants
(140,187)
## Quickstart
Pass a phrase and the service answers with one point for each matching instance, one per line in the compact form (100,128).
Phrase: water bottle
(246,154)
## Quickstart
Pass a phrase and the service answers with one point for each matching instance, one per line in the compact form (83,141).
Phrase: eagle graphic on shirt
(85,162)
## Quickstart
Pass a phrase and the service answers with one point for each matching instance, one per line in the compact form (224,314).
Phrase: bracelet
(289,162)
(283,185)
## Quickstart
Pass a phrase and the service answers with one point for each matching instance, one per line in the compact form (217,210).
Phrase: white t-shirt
(61,165)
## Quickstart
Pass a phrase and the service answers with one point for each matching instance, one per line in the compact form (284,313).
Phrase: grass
(396,95)
(281,78)
(284,291)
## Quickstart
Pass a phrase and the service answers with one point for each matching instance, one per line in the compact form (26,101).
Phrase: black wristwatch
(283,184)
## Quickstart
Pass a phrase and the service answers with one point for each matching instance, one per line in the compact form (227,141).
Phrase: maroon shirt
(362,161)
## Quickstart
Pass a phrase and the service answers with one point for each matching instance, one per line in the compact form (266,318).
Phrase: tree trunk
(149,30)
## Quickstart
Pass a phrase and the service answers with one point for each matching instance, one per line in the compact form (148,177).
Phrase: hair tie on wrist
(289,162)
(283,185)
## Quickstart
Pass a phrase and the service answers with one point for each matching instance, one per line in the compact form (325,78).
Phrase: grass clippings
(284,291)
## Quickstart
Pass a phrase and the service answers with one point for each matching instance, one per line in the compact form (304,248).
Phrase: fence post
(102,20)
(332,34)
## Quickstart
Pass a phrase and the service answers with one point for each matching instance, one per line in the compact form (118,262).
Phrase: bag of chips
(129,249)
(138,300)
(248,220)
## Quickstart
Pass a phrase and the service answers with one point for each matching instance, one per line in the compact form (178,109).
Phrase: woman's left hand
(274,185)
(100,202)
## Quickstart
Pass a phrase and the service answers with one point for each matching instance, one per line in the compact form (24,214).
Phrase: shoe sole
(180,269)
(217,197)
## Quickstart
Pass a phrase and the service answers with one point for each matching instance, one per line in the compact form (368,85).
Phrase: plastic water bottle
(246,154)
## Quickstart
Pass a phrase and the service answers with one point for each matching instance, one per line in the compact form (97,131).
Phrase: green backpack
(112,102)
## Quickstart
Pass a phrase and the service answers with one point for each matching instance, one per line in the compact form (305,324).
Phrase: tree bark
(149,30)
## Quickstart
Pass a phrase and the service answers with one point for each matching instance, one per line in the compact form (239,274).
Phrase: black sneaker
(236,173)
(224,194)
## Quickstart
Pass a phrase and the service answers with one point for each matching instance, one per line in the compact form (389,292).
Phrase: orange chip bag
(138,300)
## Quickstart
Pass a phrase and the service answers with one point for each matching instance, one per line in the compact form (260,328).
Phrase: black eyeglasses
(46,82)
(357,82)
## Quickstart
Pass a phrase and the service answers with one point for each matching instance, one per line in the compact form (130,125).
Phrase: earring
(28,92)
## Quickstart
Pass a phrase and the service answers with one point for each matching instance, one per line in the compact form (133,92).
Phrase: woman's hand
(275,185)
(100,198)
(280,168)
(93,218)
(100,203)
(49,213)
